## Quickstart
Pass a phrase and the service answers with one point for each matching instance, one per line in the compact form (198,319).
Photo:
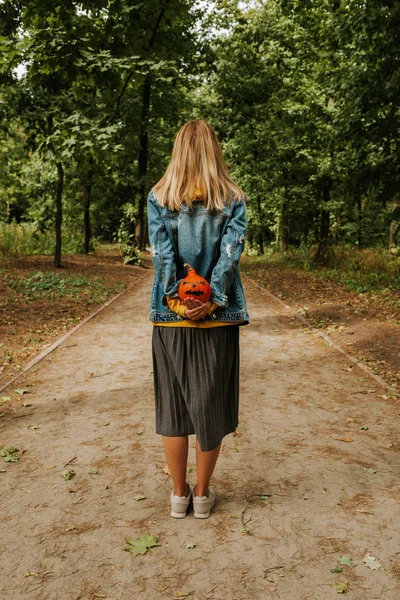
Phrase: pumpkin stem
(189,268)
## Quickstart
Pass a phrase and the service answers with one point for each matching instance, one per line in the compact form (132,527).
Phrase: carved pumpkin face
(194,286)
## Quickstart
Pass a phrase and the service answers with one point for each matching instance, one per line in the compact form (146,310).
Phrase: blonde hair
(196,161)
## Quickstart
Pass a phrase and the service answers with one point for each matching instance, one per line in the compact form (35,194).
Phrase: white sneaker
(202,505)
(180,504)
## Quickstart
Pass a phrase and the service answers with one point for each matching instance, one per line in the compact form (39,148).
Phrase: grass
(358,270)
(23,239)
(50,285)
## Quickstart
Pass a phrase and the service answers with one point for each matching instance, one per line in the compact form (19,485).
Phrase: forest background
(303,94)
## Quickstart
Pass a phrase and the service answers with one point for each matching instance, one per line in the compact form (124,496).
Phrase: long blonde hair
(196,161)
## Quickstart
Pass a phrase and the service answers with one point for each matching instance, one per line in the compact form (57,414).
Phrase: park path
(299,445)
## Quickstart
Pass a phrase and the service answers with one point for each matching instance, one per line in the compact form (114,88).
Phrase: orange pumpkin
(194,286)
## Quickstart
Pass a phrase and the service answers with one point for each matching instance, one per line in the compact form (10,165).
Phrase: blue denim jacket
(211,242)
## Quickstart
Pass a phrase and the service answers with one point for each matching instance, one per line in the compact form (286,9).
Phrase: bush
(125,237)
(360,270)
(18,239)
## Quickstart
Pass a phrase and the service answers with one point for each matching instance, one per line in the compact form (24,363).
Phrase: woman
(196,215)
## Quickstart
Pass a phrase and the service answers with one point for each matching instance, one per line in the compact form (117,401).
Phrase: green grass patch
(23,239)
(361,271)
(38,285)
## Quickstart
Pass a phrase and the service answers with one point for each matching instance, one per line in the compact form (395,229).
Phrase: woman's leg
(205,463)
(176,452)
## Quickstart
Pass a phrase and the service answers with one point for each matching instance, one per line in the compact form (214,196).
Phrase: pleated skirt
(196,382)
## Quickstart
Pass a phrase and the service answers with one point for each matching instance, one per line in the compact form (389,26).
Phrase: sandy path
(92,399)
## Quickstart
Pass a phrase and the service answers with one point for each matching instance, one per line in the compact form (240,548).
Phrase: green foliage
(309,132)
(126,236)
(79,104)
(26,238)
(304,96)
(52,285)
(359,270)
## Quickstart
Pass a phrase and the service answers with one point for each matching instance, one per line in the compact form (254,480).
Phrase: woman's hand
(196,310)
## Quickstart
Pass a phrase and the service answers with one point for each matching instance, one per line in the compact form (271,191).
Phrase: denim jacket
(211,242)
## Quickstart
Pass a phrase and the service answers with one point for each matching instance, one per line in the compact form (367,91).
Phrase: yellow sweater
(176,306)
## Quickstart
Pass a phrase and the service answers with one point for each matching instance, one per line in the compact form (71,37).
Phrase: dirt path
(91,408)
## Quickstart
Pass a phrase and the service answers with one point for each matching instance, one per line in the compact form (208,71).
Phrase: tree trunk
(87,229)
(144,138)
(283,228)
(86,194)
(260,232)
(393,225)
(143,158)
(250,238)
(324,230)
(359,222)
(323,237)
(60,185)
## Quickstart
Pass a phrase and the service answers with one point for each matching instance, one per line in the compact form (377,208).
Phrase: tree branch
(150,46)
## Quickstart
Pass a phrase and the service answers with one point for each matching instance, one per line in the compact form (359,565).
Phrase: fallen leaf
(345,560)
(166,470)
(265,497)
(67,474)
(364,428)
(345,439)
(341,587)
(337,570)
(9,454)
(141,544)
(190,545)
(93,472)
(21,391)
(140,497)
(370,470)
(371,562)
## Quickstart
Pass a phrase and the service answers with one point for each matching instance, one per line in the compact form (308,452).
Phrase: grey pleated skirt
(196,382)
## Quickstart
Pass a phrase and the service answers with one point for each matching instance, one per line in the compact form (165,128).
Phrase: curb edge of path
(60,340)
(325,337)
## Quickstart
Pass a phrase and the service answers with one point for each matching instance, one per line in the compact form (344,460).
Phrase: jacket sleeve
(162,252)
(231,248)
